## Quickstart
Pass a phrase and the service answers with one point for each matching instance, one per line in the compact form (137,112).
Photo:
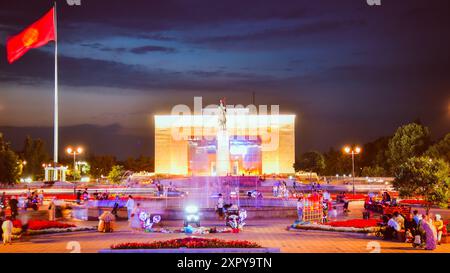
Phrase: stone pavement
(268,233)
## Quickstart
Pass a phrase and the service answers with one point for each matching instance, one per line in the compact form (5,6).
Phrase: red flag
(38,34)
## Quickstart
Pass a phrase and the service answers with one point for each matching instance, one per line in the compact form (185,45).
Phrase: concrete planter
(193,250)
(367,231)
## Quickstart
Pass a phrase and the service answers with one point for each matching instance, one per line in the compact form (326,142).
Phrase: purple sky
(349,71)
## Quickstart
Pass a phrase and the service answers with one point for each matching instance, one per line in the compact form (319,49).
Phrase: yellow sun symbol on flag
(30,37)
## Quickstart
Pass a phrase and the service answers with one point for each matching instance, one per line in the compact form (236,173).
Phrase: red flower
(356,223)
(42,224)
(188,242)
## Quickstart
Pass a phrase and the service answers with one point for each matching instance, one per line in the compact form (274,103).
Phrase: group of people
(134,210)
(82,196)
(13,205)
(342,198)
(423,230)
(280,189)
(101,195)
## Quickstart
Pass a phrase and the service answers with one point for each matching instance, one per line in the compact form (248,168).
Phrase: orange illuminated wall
(172,154)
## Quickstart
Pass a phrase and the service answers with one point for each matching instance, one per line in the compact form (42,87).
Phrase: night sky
(349,71)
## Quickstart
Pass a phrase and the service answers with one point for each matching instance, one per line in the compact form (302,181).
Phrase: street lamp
(353,151)
(74,152)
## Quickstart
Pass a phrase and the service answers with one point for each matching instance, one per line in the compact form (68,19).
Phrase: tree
(409,141)
(310,161)
(373,171)
(441,149)
(142,163)
(35,154)
(116,174)
(373,157)
(101,165)
(426,177)
(336,162)
(10,166)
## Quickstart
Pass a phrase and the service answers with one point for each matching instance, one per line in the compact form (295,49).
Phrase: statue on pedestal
(222,116)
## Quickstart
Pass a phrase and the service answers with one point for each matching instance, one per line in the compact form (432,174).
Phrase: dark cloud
(297,32)
(151,48)
(346,69)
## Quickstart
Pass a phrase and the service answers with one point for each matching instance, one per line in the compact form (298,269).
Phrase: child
(409,237)
(7,227)
(333,213)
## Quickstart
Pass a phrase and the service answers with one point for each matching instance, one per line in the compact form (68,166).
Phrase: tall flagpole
(55,124)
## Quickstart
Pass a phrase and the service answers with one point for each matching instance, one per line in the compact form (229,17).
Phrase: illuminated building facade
(257,144)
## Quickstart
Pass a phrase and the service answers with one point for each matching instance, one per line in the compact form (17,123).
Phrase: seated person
(399,219)
(392,229)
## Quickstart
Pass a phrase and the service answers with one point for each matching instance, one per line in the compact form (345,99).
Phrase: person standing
(3,200)
(52,210)
(439,224)
(430,239)
(7,228)
(219,206)
(41,197)
(130,206)
(135,222)
(14,209)
(86,195)
(300,206)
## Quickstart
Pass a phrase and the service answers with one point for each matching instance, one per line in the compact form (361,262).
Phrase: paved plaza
(268,233)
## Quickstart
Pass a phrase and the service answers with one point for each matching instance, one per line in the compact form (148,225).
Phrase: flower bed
(59,230)
(356,223)
(187,243)
(351,197)
(42,224)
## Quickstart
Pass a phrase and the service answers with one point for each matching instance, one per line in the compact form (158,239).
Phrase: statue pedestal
(223,153)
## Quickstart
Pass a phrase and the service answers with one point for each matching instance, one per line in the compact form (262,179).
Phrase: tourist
(286,192)
(135,222)
(52,210)
(439,225)
(326,196)
(106,222)
(85,195)
(3,200)
(346,203)
(430,239)
(41,197)
(399,219)
(386,198)
(13,206)
(219,206)
(7,227)
(275,190)
(392,229)
(325,208)
(334,213)
(79,197)
(417,217)
(130,206)
(116,206)
(300,206)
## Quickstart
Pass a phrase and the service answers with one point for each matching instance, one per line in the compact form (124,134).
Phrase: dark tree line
(380,157)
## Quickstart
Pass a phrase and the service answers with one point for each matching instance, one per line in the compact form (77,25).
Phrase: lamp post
(74,152)
(353,151)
